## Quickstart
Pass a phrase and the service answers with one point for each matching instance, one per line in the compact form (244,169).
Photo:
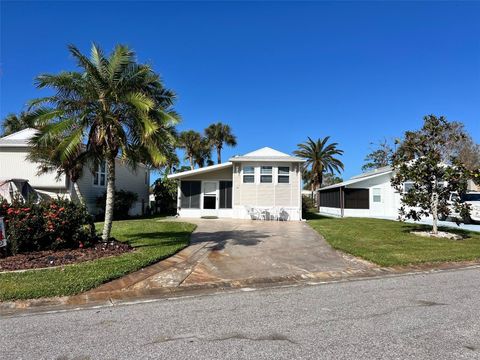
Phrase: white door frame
(210,212)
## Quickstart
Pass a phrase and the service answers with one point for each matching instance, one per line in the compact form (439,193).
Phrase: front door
(210,198)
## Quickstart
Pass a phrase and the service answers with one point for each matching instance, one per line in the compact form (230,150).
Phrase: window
(190,194)
(377,195)
(100,176)
(248,174)
(266,174)
(283,174)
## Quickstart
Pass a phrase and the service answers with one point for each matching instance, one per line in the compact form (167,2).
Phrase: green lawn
(389,243)
(154,240)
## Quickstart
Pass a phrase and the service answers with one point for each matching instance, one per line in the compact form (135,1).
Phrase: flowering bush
(48,225)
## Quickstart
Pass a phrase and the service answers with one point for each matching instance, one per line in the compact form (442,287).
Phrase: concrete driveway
(225,251)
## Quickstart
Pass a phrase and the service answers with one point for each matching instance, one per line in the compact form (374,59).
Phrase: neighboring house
(14,149)
(366,195)
(262,181)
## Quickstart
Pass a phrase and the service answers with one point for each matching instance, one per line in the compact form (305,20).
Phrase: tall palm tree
(13,123)
(320,158)
(118,107)
(203,153)
(219,134)
(190,141)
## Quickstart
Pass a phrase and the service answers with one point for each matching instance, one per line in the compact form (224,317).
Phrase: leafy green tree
(422,158)
(321,158)
(14,123)
(119,107)
(219,135)
(379,157)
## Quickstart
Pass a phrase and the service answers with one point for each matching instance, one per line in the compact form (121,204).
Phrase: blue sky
(276,72)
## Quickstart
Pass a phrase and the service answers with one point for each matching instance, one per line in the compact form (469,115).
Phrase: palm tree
(190,141)
(320,158)
(13,123)
(49,159)
(118,107)
(203,153)
(219,134)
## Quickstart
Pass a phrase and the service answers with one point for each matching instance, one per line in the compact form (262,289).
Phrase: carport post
(342,201)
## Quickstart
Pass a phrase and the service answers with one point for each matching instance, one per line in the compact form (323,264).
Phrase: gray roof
(361,177)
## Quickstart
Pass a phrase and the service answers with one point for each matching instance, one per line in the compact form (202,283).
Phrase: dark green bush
(165,191)
(48,225)
(122,204)
(308,205)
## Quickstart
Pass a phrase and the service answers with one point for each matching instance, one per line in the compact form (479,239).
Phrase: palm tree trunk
(107,226)
(192,163)
(78,193)
(219,155)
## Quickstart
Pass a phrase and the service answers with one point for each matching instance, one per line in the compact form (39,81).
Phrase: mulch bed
(49,258)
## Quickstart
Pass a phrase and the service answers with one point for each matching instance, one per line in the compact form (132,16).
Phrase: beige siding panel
(268,195)
(14,164)
(126,179)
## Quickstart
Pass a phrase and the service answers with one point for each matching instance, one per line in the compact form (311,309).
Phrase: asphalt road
(427,316)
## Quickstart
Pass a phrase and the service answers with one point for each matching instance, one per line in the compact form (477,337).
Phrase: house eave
(202,170)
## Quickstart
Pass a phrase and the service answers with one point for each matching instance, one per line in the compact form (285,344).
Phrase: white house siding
(388,207)
(267,195)
(125,179)
(14,164)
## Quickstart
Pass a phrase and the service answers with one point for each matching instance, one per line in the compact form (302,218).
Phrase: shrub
(122,204)
(165,191)
(48,225)
(308,205)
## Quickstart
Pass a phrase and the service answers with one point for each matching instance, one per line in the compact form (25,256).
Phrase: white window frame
(248,174)
(266,174)
(97,175)
(379,194)
(287,175)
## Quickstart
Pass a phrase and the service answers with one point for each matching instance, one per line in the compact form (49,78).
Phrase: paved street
(425,316)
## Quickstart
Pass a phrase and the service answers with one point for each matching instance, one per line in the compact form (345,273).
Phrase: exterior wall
(258,195)
(126,179)
(14,164)
(261,195)
(218,175)
(388,207)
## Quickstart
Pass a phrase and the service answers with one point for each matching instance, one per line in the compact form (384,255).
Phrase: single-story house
(14,149)
(366,195)
(265,183)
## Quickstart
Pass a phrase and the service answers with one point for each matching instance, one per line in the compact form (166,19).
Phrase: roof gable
(266,152)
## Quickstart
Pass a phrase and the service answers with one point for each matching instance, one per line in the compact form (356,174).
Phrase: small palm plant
(320,158)
(114,107)
(219,134)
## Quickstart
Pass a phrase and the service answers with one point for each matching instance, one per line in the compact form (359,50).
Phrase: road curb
(119,297)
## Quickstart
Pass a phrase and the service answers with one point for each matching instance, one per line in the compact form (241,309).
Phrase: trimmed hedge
(48,225)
